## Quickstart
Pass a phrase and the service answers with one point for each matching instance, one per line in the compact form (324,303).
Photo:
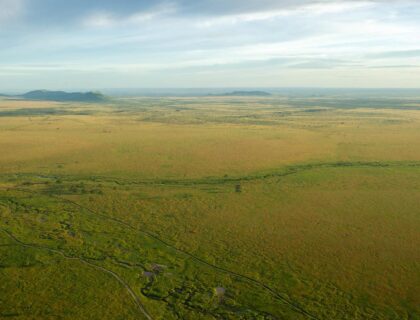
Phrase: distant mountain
(64,96)
(244,94)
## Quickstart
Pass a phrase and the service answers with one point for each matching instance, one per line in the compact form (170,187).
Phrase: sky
(93,44)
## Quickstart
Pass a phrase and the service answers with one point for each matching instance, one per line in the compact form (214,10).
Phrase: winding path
(110,272)
(289,171)
(248,279)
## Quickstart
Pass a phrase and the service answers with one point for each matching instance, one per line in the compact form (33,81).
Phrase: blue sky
(92,44)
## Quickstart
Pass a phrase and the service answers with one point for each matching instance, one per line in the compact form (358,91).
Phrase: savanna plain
(210,208)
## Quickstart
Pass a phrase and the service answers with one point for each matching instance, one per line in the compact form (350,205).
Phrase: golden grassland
(127,142)
(297,209)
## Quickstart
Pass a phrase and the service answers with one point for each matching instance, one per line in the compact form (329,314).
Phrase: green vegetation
(210,208)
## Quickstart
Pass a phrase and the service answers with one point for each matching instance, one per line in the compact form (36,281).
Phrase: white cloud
(10,9)
(308,9)
(109,19)
(341,37)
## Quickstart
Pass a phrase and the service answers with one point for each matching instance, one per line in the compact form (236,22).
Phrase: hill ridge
(48,95)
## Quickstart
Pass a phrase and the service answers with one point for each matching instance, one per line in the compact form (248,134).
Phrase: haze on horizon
(58,44)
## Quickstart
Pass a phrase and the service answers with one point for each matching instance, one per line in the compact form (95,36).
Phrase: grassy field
(210,208)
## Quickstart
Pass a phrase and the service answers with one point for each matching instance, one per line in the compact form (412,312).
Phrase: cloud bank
(104,43)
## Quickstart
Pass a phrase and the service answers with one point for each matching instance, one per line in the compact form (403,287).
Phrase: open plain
(210,208)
